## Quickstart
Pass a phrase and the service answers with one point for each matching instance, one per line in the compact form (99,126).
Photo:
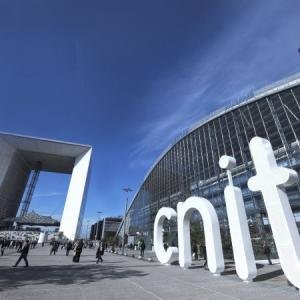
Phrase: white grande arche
(74,206)
(270,180)
(240,237)
(215,259)
(164,257)
(19,155)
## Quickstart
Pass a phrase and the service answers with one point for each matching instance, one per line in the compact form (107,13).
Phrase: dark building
(107,228)
(190,166)
(96,231)
(110,227)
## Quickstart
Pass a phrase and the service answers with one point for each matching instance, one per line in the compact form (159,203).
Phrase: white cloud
(239,60)
(48,194)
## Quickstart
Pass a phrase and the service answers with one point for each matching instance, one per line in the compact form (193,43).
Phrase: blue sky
(129,76)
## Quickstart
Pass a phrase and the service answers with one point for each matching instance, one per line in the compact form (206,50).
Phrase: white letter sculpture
(270,180)
(185,209)
(240,237)
(165,257)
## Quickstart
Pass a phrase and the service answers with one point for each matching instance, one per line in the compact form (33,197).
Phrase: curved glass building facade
(190,166)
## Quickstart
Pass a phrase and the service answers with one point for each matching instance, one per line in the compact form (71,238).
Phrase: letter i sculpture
(239,231)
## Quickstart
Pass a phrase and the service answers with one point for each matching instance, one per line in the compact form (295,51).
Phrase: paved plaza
(120,277)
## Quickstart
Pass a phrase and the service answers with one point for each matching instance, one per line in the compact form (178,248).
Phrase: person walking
(195,251)
(203,253)
(19,246)
(24,253)
(142,247)
(267,252)
(2,248)
(78,251)
(99,253)
(54,248)
(166,246)
(69,247)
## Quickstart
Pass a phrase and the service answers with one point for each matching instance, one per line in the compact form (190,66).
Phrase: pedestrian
(54,248)
(203,253)
(78,251)
(19,246)
(267,252)
(2,248)
(195,251)
(99,253)
(24,253)
(166,246)
(142,247)
(69,247)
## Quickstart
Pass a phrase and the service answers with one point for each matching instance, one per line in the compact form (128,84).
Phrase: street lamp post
(99,213)
(126,190)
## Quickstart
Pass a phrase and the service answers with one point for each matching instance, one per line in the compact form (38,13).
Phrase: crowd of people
(19,235)
(11,243)
(22,241)
(17,242)
(200,250)
(140,245)
(77,246)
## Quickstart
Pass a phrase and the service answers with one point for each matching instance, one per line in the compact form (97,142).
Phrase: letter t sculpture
(270,180)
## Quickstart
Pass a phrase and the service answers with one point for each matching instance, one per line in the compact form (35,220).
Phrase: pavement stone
(121,277)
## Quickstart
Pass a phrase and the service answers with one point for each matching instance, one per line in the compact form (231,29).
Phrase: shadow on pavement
(230,268)
(11,278)
(269,275)
(196,267)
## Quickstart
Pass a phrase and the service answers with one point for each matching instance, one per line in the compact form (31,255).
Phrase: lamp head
(227,162)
